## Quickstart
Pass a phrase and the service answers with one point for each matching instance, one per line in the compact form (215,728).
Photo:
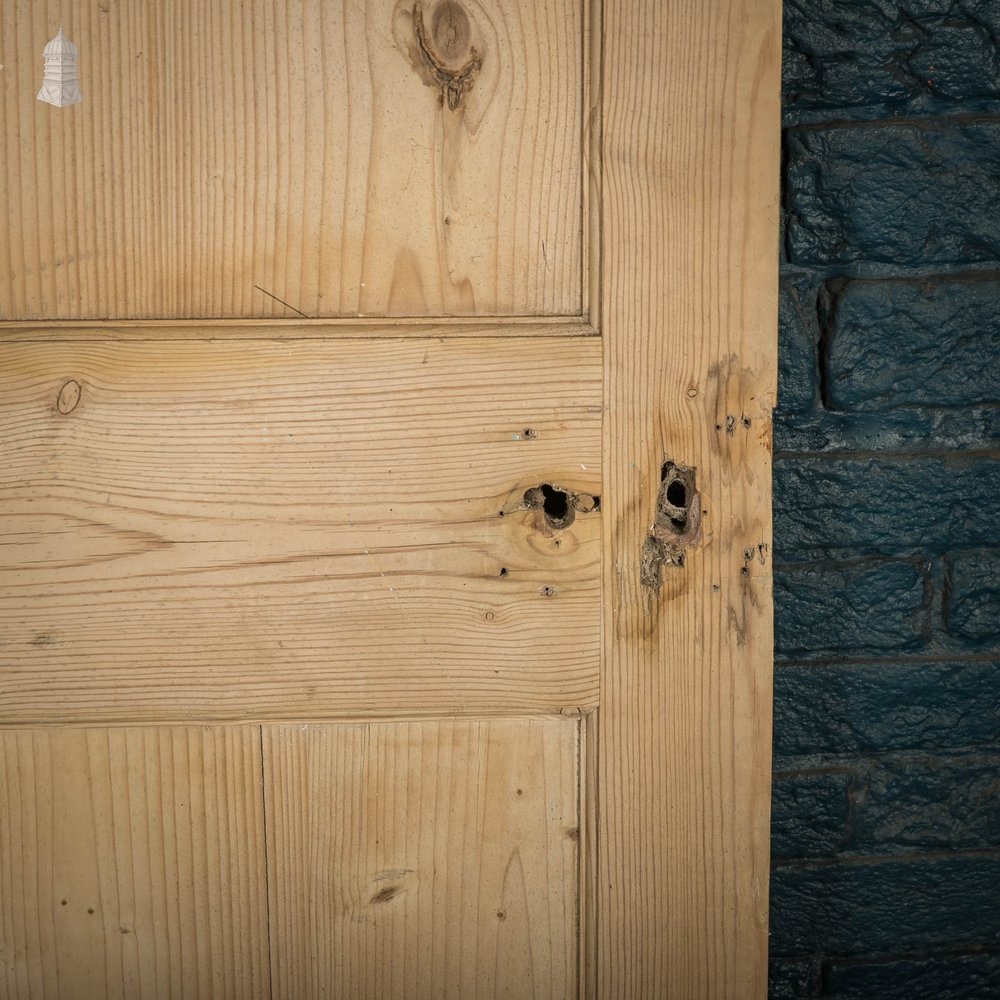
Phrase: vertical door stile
(689,298)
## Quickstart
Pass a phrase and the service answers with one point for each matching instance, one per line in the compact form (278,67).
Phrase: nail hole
(529,432)
(503,570)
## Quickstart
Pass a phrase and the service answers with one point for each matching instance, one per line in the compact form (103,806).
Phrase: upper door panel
(289,158)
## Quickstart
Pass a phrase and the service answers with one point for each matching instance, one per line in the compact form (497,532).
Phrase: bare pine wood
(690,127)
(302,530)
(132,864)
(266,159)
(277,329)
(423,861)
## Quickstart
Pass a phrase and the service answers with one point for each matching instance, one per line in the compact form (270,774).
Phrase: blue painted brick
(898,193)
(921,803)
(938,977)
(897,804)
(884,504)
(972,609)
(862,907)
(798,333)
(839,54)
(810,812)
(870,707)
(788,979)
(836,608)
(909,429)
(935,342)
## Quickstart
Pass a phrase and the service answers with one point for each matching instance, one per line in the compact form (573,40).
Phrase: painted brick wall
(886,808)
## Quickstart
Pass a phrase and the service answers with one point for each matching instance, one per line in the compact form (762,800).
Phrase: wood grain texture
(273,159)
(202,531)
(689,261)
(278,329)
(132,864)
(423,861)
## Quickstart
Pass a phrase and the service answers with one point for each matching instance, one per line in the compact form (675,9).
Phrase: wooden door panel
(303,420)
(209,531)
(299,159)
(424,860)
(132,863)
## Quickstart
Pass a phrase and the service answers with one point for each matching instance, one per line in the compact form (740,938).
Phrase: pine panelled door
(385,422)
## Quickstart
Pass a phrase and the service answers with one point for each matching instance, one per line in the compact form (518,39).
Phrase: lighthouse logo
(59,86)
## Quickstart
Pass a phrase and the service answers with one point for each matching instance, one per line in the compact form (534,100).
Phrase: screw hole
(503,570)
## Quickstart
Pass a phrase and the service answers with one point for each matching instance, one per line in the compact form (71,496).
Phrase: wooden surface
(690,250)
(304,530)
(294,521)
(132,864)
(423,861)
(278,329)
(287,160)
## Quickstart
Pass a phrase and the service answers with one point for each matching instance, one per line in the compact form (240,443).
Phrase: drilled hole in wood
(586,503)
(677,525)
(556,504)
(676,493)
